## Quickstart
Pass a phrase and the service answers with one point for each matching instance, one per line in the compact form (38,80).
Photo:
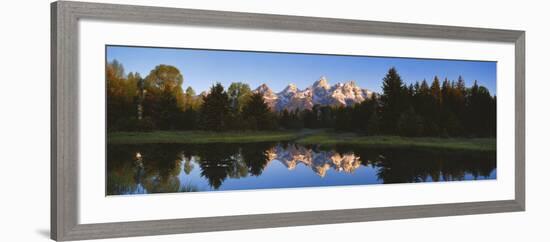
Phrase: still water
(164,168)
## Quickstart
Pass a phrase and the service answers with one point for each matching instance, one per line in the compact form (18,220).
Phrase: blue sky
(202,68)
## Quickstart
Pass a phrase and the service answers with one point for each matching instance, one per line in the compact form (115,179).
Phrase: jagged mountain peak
(321,83)
(350,84)
(290,88)
(320,93)
(264,88)
(270,98)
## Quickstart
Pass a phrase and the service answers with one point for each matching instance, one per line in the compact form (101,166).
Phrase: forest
(439,108)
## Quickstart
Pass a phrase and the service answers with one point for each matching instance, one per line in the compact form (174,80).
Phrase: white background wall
(24,120)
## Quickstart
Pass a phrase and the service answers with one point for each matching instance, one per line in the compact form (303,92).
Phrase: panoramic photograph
(197,120)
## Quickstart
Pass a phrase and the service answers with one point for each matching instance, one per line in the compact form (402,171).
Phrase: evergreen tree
(343,119)
(373,123)
(360,115)
(373,126)
(169,113)
(424,103)
(493,117)
(284,119)
(461,86)
(472,109)
(481,112)
(409,123)
(459,104)
(190,119)
(296,121)
(257,113)
(436,91)
(447,121)
(393,100)
(215,109)
(309,119)
(432,117)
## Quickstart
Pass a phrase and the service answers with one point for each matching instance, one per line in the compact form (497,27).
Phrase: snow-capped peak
(270,97)
(291,88)
(263,89)
(321,83)
(320,93)
(350,84)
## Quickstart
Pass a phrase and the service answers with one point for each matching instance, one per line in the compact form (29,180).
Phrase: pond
(169,168)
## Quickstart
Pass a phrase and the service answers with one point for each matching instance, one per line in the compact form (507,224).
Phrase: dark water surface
(162,168)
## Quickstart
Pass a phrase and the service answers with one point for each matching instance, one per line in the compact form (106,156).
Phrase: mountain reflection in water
(162,168)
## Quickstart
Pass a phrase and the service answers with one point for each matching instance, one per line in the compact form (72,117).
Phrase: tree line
(444,109)
(158,102)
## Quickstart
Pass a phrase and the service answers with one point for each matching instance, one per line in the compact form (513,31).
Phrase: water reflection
(161,168)
(318,160)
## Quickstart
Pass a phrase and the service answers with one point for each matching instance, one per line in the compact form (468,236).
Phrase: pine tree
(284,119)
(360,115)
(432,116)
(309,119)
(461,86)
(409,123)
(215,109)
(373,127)
(481,111)
(373,124)
(296,120)
(169,113)
(343,119)
(257,113)
(393,100)
(436,91)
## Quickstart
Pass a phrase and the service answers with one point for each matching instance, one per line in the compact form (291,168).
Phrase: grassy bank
(200,137)
(307,137)
(329,138)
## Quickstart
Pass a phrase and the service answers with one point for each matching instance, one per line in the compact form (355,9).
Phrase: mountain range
(320,93)
(319,161)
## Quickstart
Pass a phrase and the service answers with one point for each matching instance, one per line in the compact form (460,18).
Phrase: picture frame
(65,16)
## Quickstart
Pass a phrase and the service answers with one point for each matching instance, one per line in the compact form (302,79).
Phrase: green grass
(200,137)
(330,138)
(314,137)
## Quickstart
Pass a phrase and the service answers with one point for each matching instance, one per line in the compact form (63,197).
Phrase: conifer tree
(257,113)
(432,116)
(392,100)
(284,119)
(436,91)
(215,109)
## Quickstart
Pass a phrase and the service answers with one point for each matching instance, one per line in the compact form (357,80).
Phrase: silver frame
(64,119)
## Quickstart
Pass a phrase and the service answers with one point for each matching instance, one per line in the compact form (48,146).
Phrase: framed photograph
(169,120)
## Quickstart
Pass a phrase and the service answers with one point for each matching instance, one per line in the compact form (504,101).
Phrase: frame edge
(64,122)
(53,121)
(520,120)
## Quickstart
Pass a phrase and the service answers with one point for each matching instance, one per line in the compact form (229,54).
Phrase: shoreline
(304,137)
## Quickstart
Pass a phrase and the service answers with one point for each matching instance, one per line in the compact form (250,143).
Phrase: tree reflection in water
(161,168)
